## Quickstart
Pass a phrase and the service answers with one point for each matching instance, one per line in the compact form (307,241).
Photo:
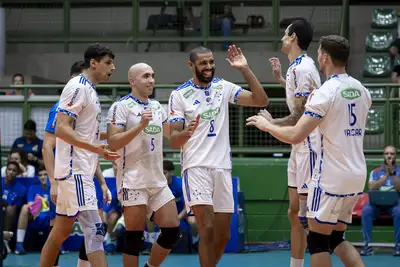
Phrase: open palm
(236,57)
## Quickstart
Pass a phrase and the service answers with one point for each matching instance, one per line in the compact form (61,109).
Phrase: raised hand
(236,58)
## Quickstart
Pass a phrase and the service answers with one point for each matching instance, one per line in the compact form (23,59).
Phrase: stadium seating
(384,18)
(377,66)
(379,41)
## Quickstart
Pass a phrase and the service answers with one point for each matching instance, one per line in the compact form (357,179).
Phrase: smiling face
(203,67)
(142,77)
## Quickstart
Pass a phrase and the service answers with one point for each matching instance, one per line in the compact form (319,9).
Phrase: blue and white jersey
(342,103)
(301,76)
(209,146)
(141,164)
(80,101)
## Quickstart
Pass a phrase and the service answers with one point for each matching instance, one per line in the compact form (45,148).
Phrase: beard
(203,79)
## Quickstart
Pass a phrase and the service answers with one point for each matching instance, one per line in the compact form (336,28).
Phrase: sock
(148,264)
(20,235)
(82,252)
(296,262)
(82,263)
(58,257)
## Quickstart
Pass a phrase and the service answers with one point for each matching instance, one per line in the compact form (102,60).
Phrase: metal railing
(383,122)
(133,37)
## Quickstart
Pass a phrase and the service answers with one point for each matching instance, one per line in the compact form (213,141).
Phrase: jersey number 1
(211,131)
(352,116)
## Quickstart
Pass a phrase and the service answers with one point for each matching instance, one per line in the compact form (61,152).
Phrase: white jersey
(301,76)
(141,164)
(80,101)
(342,103)
(209,146)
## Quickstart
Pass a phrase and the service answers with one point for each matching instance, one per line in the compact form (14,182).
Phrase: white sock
(148,264)
(20,235)
(82,263)
(296,262)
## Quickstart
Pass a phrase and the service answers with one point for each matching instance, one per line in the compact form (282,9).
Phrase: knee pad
(318,243)
(169,237)
(93,230)
(336,239)
(82,252)
(105,228)
(302,213)
(134,241)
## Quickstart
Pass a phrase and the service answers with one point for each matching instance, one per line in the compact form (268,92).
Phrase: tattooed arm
(293,118)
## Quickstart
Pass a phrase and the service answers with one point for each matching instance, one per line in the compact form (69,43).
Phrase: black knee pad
(169,237)
(105,228)
(318,243)
(82,252)
(134,241)
(336,239)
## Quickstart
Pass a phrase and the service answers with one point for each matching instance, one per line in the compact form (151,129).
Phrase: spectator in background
(18,79)
(13,193)
(31,144)
(40,217)
(384,178)
(19,156)
(222,19)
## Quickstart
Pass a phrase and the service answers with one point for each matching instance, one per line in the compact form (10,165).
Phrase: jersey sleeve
(51,121)
(117,114)
(303,81)
(233,90)
(72,100)
(175,108)
(164,116)
(318,104)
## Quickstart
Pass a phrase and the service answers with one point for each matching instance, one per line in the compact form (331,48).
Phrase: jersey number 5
(352,116)
(211,131)
(152,144)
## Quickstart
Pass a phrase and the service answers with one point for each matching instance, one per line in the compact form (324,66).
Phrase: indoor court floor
(257,259)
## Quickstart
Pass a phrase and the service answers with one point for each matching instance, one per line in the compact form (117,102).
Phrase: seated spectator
(31,144)
(13,193)
(175,184)
(222,19)
(37,211)
(384,178)
(18,79)
(19,156)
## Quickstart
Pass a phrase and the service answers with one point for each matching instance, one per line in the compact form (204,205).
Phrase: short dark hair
(77,68)
(337,47)
(15,164)
(304,32)
(196,51)
(18,75)
(22,155)
(168,165)
(97,52)
(30,125)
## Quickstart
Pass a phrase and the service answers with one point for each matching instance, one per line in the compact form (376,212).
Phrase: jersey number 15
(352,115)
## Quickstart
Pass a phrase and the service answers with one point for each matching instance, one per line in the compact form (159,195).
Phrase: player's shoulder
(77,84)
(54,108)
(305,64)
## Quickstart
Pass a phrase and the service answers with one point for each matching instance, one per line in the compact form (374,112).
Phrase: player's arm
(49,143)
(375,182)
(293,117)
(179,135)
(116,121)
(166,130)
(103,135)
(257,96)
(99,174)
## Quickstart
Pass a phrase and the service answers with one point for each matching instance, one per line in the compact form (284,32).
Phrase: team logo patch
(350,93)
(188,93)
(152,129)
(210,114)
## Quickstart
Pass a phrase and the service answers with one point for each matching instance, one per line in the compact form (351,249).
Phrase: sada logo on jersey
(152,129)
(210,114)
(350,93)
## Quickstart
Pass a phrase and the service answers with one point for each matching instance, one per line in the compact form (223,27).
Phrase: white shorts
(76,193)
(153,198)
(330,208)
(204,186)
(300,170)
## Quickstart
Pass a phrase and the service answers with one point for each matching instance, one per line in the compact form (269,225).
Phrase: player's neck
(198,83)
(89,75)
(294,53)
(329,71)
(138,96)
